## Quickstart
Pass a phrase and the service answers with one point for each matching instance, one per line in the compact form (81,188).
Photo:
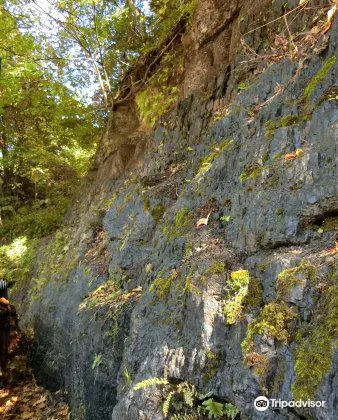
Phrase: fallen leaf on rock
(294,155)
(203,221)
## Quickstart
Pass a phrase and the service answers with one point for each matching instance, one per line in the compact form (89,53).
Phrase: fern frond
(231,411)
(184,416)
(188,393)
(166,404)
(150,382)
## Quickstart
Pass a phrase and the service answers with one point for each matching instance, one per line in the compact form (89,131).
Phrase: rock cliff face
(130,289)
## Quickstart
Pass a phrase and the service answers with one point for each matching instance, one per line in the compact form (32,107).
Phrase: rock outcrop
(130,289)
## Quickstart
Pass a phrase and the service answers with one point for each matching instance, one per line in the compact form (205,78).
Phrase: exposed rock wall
(166,287)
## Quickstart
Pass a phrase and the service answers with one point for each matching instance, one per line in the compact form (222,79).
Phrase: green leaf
(213,408)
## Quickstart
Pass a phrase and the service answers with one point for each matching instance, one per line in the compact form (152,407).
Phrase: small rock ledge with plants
(195,271)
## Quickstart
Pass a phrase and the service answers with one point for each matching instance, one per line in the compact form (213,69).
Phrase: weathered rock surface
(136,227)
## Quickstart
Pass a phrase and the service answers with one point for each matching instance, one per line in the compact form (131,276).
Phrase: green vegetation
(314,340)
(319,77)
(16,259)
(293,276)
(273,321)
(127,378)
(97,361)
(254,296)
(161,91)
(215,268)
(314,351)
(49,122)
(217,150)
(212,365)
(109,294)
(238,289)
(225,218)
(279,211)
(157,212)
(184,393)
(182,401)
(182,223)
(329,224)
(252,173)
(161,286)
(272,125)
(213,408)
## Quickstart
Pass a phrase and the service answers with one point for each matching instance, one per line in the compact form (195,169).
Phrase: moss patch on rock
(319,77)
(161,285)
(109,294)
(217,150)
(273,321)
(182,223)
(314,351)
(243,291)
(288,120)
(293,276)
(252,172)
(212,365)
(215,268)
(157,212)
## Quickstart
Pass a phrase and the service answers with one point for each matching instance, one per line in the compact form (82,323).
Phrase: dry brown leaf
(203,221)
(294,155)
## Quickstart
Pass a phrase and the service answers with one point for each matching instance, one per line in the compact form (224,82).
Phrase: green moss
(189,286)
(161,92)
(264,265)
(215,268)
(182,223)
(217,150)
(286,121)
(146,202)
(212,365)
(182,218)
(157,212)
(277,156)
(127,198)
(273,321)
(266,157)
(293,276)
(58,258)
(109,294)
(252,173)
(87,271)
(188,249)
(313,355)
(314,351)
(161,286)
(279,211)
(319,77)
(272,181)
(254,296)
(125,235)
(238,288)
